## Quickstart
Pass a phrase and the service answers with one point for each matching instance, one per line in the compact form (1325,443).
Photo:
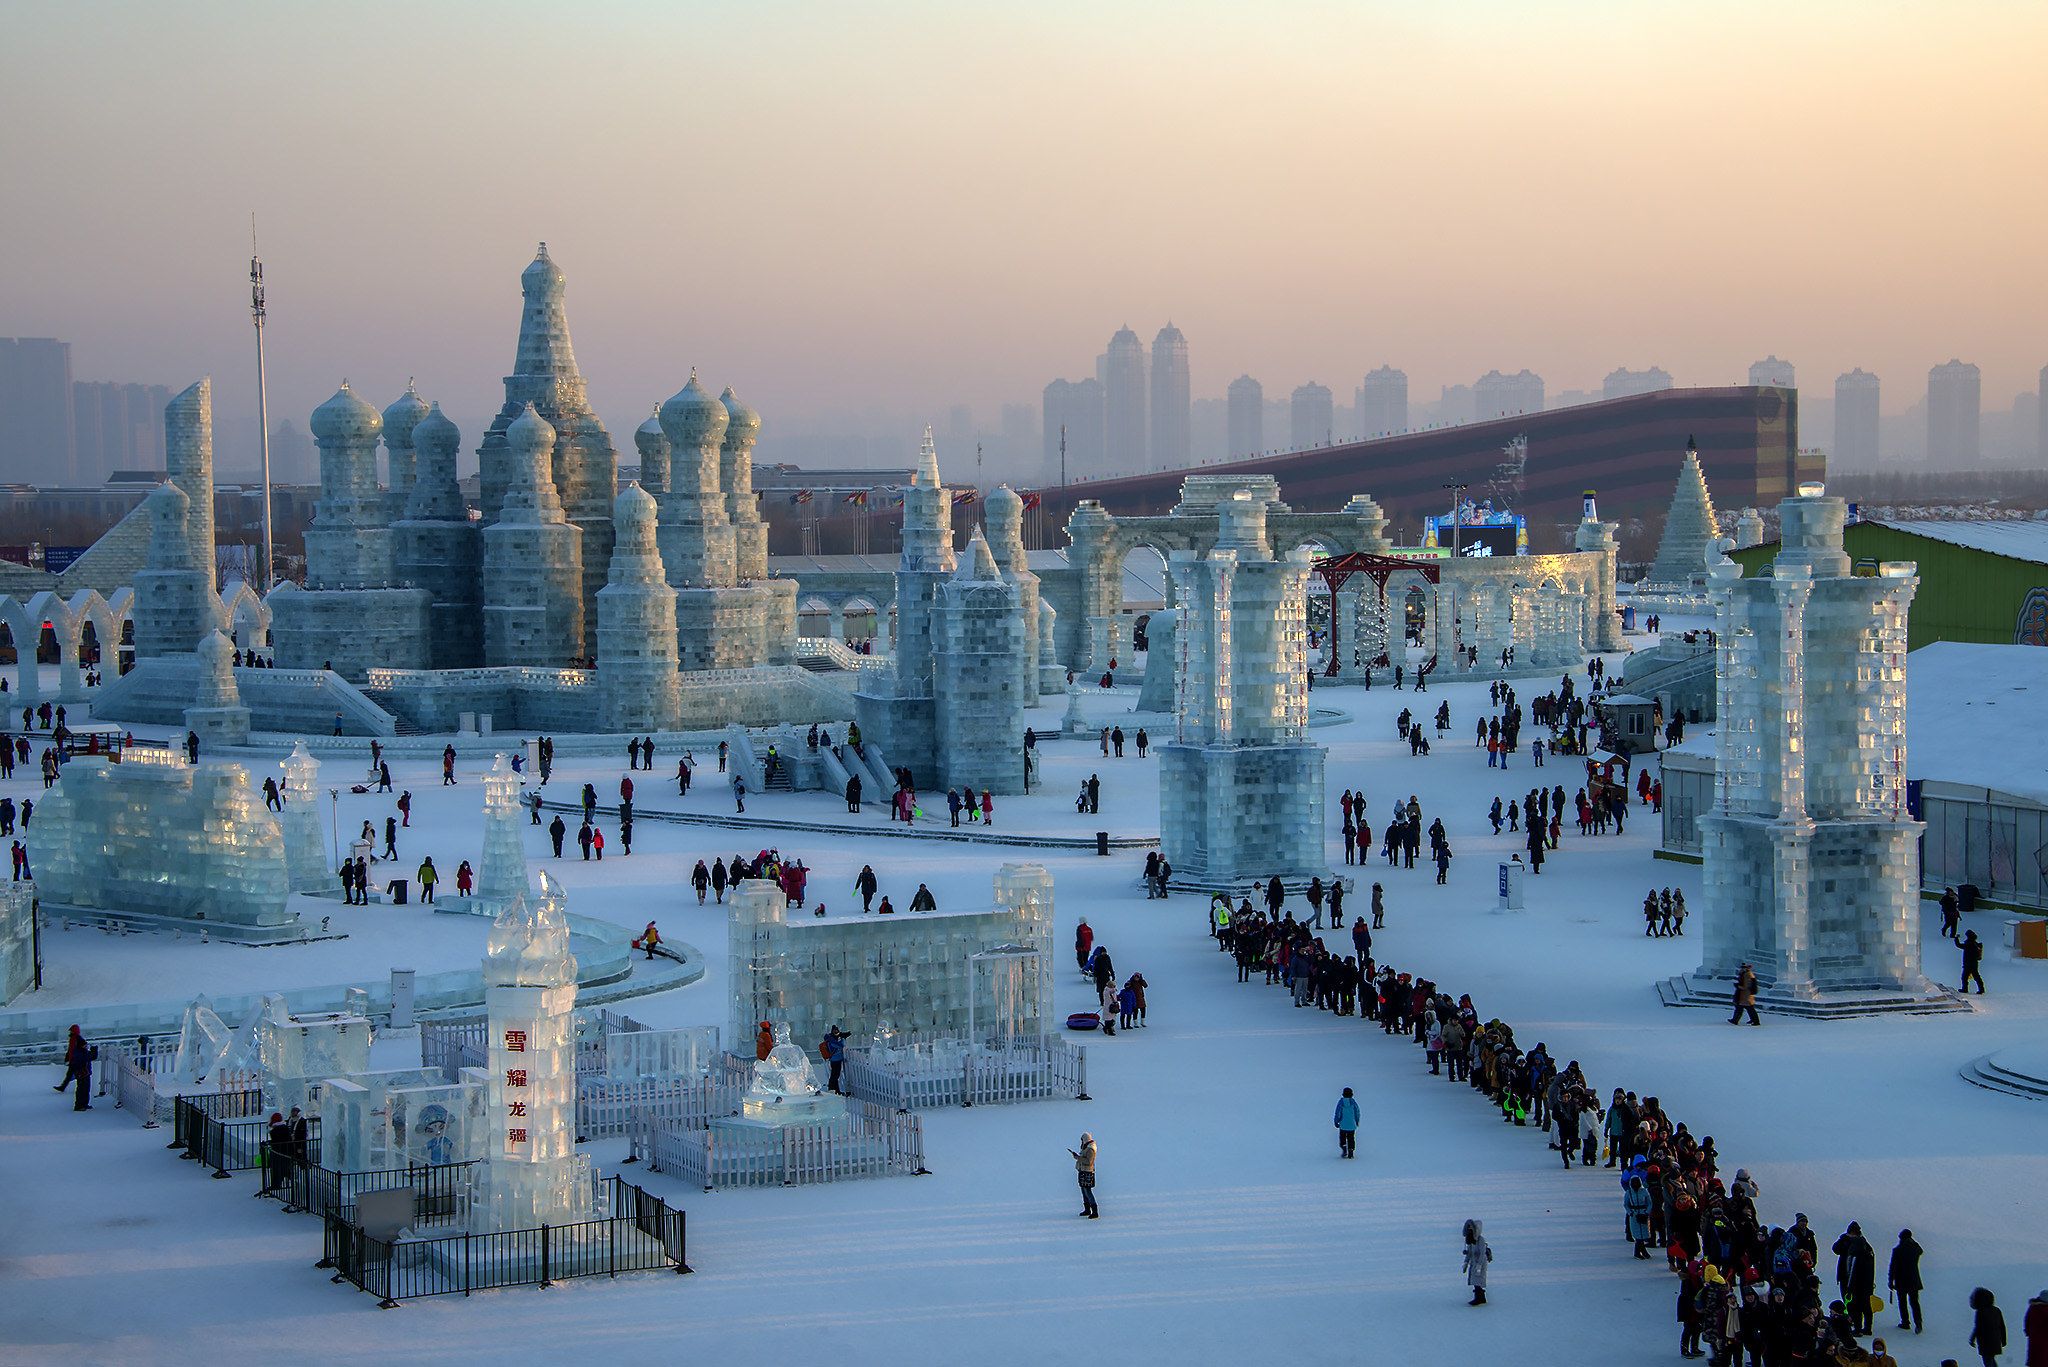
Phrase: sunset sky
(894,206)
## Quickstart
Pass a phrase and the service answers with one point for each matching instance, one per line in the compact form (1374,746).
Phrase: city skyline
(910,296)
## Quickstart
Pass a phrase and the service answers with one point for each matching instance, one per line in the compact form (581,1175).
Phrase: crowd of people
(1746,1290)
(1120,1007)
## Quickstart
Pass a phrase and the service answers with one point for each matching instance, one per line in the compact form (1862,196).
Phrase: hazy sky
(840,205)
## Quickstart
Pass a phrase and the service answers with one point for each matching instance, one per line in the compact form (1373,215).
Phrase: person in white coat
(1477,1256)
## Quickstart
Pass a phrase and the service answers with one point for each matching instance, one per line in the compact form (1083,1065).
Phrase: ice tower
(729,614)
(217,717)
(188,459)
(652,444)
(897,707)
(983,676)
(1240,785)
(531,1174)
(501,882)
(401,463)
(533,606)
(435,547)
(305,836)
(582,464)
(1689,528)
(353,615)
(1593,535)
(1810,857)
(637,687)
(174,599)
(1006,543)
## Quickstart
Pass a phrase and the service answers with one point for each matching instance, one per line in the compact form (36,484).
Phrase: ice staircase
(2020,1071)
(1872,999)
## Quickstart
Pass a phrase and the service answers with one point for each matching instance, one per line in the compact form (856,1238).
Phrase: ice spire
(1690,528)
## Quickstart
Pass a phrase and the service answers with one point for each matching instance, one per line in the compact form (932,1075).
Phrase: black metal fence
(641,1234)
(227,1131)
(439,1189)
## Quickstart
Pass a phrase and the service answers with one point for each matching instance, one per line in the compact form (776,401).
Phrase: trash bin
(1102,843)
(1966,897)
(395,890)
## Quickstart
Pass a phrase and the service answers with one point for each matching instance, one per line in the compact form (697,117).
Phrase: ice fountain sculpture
(531,1174)
(305,845)
(784,1091)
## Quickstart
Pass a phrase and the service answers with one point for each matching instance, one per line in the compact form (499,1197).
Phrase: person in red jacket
(1084,940)
(2035,1327)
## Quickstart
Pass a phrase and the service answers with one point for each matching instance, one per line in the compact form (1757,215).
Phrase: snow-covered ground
(1231,1231)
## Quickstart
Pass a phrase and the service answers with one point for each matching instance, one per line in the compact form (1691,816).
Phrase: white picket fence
(609,1110)
(1028,1068)
(141,1086)
(452,1046)
(874,1142)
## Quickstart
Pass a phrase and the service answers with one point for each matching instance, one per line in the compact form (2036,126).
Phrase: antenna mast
(257,312)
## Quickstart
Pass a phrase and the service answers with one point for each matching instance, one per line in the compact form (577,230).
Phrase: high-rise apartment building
(1856,425)
(2042,394)
(1955,401)
(1314,416)
(36,434)
(1495,395)
(1383,403)
(1172,439)
(1247,420)
(1124,394)
(1621,382)
(1074,414)
(117,426)
(1773,372)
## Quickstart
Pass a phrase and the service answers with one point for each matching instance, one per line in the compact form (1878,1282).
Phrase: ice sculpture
(853,971)
(784,1091)
(300,1052)
(374,1122)
(950,706)
(1809,854)
(687,1051)
(17,940)
(531,1173)
(1240,784)
(501,878)
(207,1049)
(218,717)
(305,844)
(164,841)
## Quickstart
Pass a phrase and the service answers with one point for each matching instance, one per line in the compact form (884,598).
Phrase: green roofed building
(1979,581)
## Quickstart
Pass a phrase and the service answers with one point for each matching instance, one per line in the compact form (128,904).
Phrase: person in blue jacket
(1346,1121)
(833,1047)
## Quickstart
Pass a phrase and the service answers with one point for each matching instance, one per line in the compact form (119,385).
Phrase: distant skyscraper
(1073,409)
(1955,394)
(1124,394)
(2042,393)
(1314,414)
(1247,399)
(1455,405)
(1622,382)
(1383,403)
(1856,442)
(36,438)
(1772,371)
(1495,395)
(117,427)
(1172,441)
